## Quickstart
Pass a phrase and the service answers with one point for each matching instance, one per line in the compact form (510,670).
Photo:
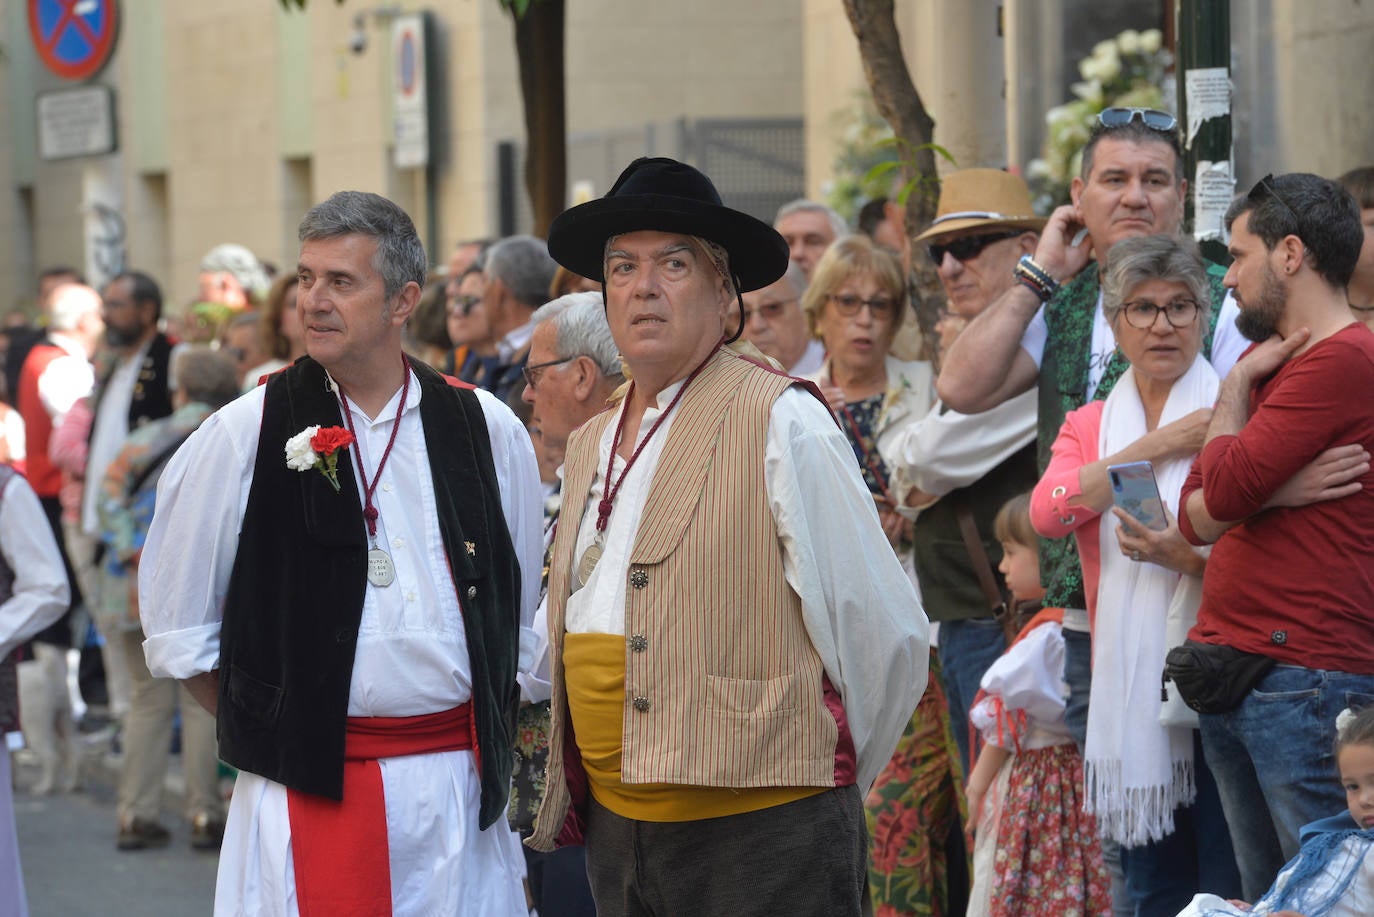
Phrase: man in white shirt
(725,687)
(343,566)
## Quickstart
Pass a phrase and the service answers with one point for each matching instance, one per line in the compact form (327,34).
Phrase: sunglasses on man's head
(1152,118)
(969,246)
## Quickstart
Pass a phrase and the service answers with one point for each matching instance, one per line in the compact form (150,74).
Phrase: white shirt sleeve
(188,555)
(1034,337)
(39,593)
(860,609)
(1227,343)
(522,501)
(946,450)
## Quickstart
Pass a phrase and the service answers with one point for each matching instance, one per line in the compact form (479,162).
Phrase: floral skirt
(1048,861)
(912,810)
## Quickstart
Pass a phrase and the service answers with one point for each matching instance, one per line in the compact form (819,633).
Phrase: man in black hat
(725,687)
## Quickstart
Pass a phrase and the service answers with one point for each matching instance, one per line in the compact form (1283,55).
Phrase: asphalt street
(72,869)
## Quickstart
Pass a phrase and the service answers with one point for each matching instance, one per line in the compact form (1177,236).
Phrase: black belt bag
(1212,678)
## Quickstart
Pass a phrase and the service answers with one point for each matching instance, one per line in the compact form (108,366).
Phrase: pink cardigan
(1050,509)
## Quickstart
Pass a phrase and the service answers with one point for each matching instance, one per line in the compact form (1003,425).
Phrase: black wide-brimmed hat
(667,196)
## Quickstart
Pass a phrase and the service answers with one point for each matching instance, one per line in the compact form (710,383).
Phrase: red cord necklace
(380,570)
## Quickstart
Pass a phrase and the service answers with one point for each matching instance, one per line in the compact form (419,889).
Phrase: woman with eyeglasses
(854,305)
(1145,782)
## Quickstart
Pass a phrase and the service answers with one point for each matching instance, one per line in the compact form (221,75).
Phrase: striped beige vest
(723,687)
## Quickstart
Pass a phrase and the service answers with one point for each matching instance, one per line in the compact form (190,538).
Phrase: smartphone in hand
(1134,490)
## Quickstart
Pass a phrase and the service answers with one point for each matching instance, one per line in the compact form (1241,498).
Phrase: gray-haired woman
(1141,777)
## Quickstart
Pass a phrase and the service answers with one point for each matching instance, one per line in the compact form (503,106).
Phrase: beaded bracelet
(1035,278)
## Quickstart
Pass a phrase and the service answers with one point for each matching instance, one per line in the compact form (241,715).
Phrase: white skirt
(440,863)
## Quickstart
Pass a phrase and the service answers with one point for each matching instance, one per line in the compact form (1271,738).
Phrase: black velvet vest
(295,596)
(152,396)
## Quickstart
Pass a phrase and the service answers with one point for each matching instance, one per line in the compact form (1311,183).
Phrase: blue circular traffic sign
(74,38)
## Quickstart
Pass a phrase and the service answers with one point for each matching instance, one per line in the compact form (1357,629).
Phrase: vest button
(472,593)
(342,635)
(641,704)
(639,579)
(639,643)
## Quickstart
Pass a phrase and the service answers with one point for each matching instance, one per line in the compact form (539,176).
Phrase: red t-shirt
(1294,584)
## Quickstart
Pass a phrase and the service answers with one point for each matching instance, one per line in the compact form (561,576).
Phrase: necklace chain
(370,513)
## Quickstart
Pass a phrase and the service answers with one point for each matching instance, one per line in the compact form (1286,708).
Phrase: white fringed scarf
(1135,770)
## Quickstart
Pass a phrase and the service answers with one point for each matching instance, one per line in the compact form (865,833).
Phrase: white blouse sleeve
(1028,677)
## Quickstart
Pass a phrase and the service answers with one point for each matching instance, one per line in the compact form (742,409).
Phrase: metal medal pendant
(588,562)
(380,571)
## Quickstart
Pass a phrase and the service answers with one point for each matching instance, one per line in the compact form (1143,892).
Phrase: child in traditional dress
(1333,873)
(1036,852)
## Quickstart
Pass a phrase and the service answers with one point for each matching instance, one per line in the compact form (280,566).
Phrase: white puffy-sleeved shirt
(1028,677)
(411,657)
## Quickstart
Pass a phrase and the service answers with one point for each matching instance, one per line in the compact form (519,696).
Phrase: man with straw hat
(960,468)
(734,648)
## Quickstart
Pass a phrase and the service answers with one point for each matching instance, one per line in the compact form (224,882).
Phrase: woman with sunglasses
(854,305)
(469,330)
(1145,782)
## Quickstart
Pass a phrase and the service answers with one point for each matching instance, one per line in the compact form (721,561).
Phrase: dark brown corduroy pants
(808,857)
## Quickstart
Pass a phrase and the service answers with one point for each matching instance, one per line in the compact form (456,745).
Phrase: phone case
(1134,490)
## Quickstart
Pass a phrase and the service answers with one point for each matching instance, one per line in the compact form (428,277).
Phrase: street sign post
(73,38)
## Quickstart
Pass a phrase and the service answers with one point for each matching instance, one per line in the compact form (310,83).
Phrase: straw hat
(978,198)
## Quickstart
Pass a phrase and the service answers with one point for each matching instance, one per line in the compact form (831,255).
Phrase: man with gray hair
(231,275)
(574,365)
(343,567)
(775,324)
(808,228)
(519,272)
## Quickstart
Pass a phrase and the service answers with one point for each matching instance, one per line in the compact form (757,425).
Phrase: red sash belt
(340,849)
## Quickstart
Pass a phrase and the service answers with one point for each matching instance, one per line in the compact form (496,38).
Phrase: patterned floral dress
(917,862)
(1037,852)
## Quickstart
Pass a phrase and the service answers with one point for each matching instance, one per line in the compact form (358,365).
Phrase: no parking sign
(73,38)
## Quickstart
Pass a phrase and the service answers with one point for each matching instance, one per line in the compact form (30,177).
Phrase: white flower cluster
(1127,70)
(299,455)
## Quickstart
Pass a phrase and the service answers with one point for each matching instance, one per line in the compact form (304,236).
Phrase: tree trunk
(900,104)
(539,50)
